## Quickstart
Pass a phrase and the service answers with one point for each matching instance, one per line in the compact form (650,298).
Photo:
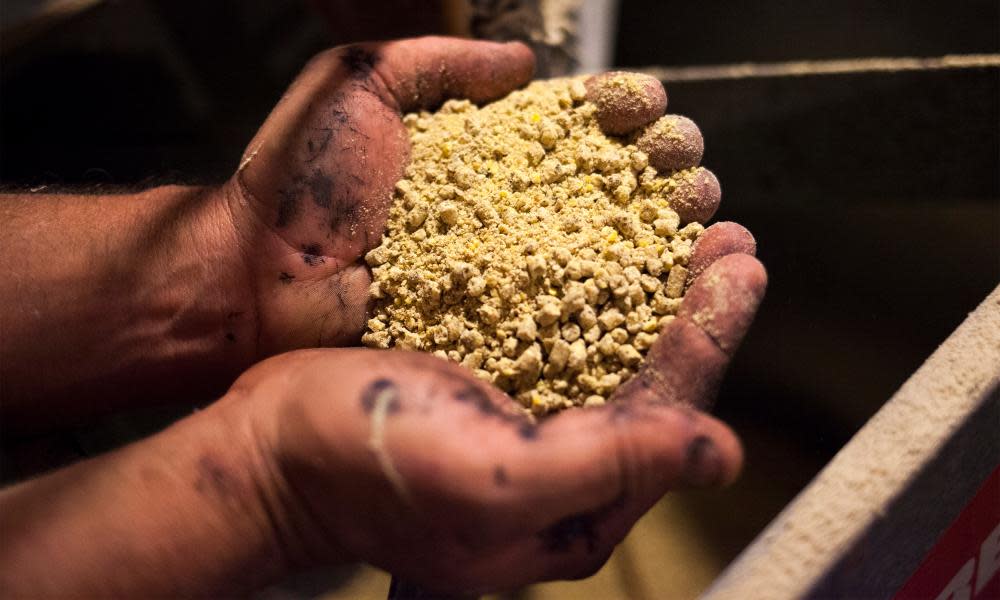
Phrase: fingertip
(734,466)
(697,195)
(718,240)
(724,299)
(713,456)
(625,101)
(672,142)
(523,58)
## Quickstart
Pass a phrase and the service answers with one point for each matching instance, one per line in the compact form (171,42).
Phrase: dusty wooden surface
(890,492)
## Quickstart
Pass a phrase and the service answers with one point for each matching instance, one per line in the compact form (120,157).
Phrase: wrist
(227,280)
(220,482)
(265,411)
(198,294)
(155,285)
(178,514)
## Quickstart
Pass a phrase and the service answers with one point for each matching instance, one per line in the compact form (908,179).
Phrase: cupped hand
(313,189)
(405,460)
(408,462)
(311,194)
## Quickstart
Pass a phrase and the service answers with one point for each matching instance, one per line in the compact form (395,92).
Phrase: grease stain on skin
(317,142)
(214,477)
(321,188)
(312,254)
(528,431)
(480,400)
(358,61)
(381,387)
(286,278)
(500,476)
(289,207)
(345,207)
(561,536)
(702,464)
(477,398)
(339,115)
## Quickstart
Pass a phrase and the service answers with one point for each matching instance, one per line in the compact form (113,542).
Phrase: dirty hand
(410,463)
(313,189)
(311,195)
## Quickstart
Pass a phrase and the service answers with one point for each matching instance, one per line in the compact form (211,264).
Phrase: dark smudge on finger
(381,390)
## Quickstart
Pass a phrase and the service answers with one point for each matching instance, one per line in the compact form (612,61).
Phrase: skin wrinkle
(280,497)
(385,92)
(722,304)
(243,196)
(650,377)
(472,393)
(288,208)
(338,290)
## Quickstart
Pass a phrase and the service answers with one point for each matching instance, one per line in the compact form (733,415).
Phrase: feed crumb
(529,246)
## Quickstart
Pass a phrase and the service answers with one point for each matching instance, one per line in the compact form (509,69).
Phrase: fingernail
(702,463)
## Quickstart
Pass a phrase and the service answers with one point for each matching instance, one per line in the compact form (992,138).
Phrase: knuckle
(629,458)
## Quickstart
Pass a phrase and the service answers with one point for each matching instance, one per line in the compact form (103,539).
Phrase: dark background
(874,196)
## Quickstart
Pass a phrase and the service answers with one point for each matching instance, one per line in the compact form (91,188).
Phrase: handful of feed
(536,242)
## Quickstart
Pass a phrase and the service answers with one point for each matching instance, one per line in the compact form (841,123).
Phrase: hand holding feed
(462,490)
(314,188)
(312,192)
(402,459)
(410,463)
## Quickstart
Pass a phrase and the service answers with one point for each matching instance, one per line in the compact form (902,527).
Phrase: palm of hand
(314,191)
